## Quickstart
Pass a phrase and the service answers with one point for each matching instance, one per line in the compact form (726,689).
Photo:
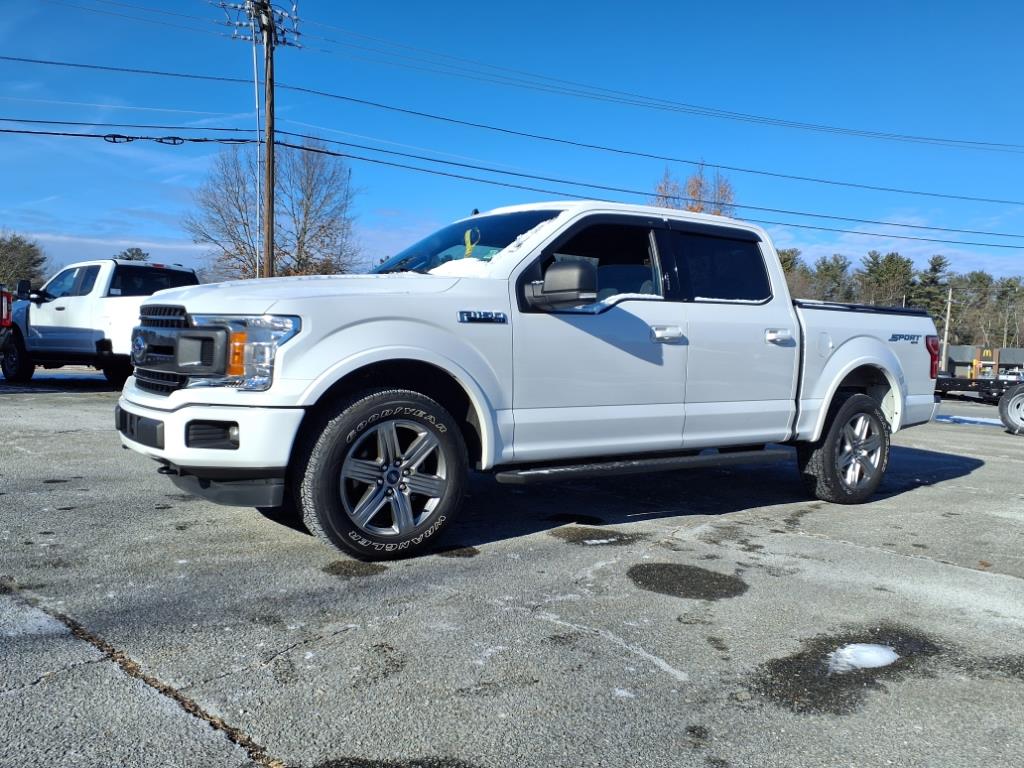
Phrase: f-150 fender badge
(913,338)
(474,316)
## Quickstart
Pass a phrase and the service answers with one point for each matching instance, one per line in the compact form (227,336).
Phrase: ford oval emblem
(138,349)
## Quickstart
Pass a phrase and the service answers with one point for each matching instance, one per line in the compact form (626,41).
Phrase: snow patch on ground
(22,621)
(969,420)
(856,656)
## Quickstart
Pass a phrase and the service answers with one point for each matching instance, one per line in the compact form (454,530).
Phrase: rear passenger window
(722,269)
(145,281)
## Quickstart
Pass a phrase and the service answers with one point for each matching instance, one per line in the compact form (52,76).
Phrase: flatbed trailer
(990,389)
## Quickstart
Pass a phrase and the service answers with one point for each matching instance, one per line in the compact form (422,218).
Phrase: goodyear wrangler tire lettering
(384,476)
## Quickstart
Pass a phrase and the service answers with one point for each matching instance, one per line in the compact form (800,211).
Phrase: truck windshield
(480,238)
(145,281)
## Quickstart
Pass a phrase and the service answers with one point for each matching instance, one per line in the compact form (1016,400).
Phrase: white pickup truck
(536,342)
(84,315)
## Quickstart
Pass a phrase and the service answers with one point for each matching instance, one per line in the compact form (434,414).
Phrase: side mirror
(24,289)
(566,284)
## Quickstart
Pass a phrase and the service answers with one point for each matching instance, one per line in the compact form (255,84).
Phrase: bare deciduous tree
(313,221)
(698,193)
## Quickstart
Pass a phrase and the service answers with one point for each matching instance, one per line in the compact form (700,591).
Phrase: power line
(526,134)
(586,90)
(135,18)
(575,88)
(151,9)
(177,140)
(583,197)
(119,138)
(548,179)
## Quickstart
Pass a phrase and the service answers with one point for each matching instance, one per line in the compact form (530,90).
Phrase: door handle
(666,333)
(781,336)
(59,309)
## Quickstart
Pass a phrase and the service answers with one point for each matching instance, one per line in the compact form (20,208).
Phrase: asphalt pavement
(697,618)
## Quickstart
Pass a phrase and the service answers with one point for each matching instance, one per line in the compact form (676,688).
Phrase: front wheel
(17,363)
(847,464)
(385,475)
(1011,410)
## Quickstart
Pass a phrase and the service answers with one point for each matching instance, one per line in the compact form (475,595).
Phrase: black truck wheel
(384,476)
(847,464)
(17,363)
(1011,410)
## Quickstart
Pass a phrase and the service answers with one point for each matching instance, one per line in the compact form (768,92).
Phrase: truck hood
(255,297)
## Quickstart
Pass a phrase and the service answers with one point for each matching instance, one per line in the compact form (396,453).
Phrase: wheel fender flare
(858,353)
(480,402)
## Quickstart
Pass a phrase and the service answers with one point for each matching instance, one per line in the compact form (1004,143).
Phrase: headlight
(252,345)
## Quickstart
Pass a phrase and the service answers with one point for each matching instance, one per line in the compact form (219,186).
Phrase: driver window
(62,285)
(624,257)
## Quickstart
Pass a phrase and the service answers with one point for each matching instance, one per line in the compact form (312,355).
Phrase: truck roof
(589,206)
(130,263)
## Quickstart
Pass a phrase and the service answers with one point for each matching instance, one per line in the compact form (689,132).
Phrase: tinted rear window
(722,269)
(143,281)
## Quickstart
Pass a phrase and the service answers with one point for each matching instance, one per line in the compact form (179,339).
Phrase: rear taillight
(932,342)
(5,309)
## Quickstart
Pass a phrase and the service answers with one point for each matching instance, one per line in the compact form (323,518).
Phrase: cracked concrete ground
(667,620)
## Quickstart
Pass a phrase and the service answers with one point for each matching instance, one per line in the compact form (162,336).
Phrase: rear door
(80,334)
(743,337)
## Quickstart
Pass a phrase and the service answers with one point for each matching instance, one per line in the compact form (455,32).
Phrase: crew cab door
(62,322)
(608,377)
(743,335)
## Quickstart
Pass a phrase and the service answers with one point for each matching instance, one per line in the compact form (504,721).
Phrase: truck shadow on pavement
(494,512)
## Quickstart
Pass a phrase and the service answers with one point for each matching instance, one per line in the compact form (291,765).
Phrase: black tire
(17,364)
(1011,410)
(821,463)
(117,374)
(355,440)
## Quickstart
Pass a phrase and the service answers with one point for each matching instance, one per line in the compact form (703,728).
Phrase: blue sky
(948,69)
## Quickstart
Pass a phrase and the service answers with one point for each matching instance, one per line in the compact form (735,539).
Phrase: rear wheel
(847,464)
(385,476)
(17,363)
(1011,410)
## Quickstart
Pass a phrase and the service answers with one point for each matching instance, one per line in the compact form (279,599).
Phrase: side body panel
(839,342)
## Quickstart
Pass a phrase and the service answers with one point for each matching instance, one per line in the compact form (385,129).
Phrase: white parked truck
(84,315)
(535,342)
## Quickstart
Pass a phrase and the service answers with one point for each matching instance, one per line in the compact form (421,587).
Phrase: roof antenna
(476,212)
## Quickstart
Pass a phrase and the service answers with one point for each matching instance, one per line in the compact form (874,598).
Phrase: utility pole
(264,16)
(277,28)
(945,331)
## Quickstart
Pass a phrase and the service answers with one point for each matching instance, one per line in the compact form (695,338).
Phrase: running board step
(640,466)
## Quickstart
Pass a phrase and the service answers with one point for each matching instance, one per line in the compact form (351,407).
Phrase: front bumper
(250,473)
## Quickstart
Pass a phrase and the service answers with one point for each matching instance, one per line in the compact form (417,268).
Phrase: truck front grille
(158,382)
(159,316)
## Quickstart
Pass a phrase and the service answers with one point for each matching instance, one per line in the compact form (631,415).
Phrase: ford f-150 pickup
(536,342)
(84,315)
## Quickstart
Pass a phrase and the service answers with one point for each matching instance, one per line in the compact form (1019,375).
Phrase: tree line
(986,311)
